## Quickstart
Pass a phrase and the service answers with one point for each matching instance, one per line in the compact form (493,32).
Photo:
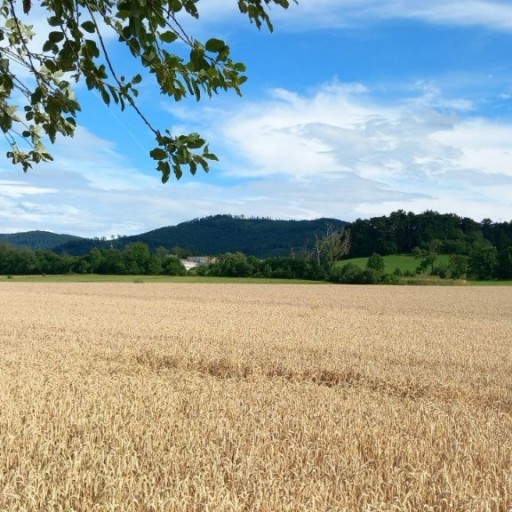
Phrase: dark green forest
(260,237)
(37,239)
(259,247)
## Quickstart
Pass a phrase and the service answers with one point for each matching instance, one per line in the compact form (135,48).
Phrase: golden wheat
(217,397)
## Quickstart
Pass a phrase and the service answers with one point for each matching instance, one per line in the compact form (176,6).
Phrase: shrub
(390,278)
(172,266)
(353,274)
(442,270)
(370,276)
(458,265)
(376,262)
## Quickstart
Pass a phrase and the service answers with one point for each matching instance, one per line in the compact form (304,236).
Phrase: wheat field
(225,397)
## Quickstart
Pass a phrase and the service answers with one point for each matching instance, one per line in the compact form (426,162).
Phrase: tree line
(476,250)
(401,232)
(137,259)
(134,259)
(397,233)
(216,234)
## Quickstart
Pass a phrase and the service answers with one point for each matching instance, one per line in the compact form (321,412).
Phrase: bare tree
(333,245)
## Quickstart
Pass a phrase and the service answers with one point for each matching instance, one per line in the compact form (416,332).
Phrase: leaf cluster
(76,51)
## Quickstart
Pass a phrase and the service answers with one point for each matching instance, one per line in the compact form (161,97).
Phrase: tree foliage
(376,262)
(483,261)
(332,246)
(216,234)
(76,51)
(428,255)
(279,248)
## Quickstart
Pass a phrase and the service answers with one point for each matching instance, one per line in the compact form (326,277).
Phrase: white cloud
(336,152)
(92,190)
(17,189)
(482,145)
(317,14)
(341,153)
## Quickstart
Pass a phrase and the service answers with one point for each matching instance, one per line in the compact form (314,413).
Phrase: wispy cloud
(317,14)
(338,151)
(91,189)
(349,154)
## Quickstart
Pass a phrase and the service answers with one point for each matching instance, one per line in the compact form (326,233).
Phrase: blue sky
(353,108)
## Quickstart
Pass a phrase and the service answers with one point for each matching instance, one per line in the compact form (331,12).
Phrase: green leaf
(105,97)
(194,141)
(175,5)
(197,92)
(168,37)
(53,21)
(48,46)
(123,14)
(89,26)
(215,45)
(55,37)
(92,48)
(10,23)
(165,169)
(177,169)
(158,154)
(73,53)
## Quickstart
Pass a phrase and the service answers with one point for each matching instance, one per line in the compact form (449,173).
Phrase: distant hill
(37,239)
(217,234)
(397,233)
(260,237)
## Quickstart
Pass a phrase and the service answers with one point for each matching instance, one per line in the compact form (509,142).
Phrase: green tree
(95,260)
(154,265)
(427,256)
(112,263)
(332,246)
(483,261)
(232,265)
(75,52)
(162,253)
(376,262)
(350,273)
(137,257)
(82,265)
(172,266)
(181,252)
(505,263)
(458,265)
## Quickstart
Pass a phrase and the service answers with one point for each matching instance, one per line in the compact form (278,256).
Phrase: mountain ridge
(36,239)
(259,236)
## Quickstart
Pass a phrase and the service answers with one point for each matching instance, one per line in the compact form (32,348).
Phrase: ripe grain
(169,397)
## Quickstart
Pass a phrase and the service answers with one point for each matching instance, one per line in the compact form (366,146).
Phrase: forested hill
(397,233)
(37,239)
(400,232)
(261,237)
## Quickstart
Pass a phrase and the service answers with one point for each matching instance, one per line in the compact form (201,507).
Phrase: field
(255,397)
(405,263)
(109,278)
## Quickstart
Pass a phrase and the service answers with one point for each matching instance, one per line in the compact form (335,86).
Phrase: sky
(352,109)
